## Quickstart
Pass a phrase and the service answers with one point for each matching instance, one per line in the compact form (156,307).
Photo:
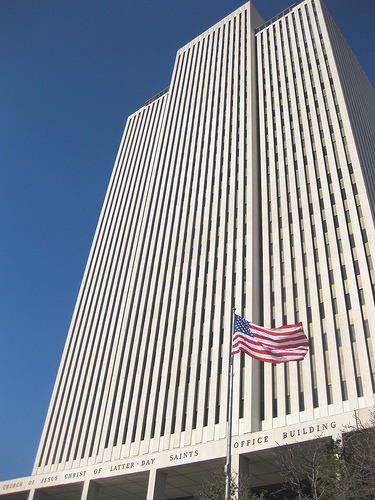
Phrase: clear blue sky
(71,73)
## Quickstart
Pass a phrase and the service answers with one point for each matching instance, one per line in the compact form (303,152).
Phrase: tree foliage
(303,467)
(322,469)
(215,489)
(327,469)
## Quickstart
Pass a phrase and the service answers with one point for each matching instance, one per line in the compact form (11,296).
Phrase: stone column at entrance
(90,490)
(35,495)
(240,467)
(156,485)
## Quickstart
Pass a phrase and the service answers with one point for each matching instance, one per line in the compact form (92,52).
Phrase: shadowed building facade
(248,182)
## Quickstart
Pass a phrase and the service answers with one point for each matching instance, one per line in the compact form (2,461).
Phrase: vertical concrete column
(156,485)
(240,471)
(90,491)
(35,495)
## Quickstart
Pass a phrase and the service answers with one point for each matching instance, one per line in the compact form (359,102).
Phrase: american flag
(273,345)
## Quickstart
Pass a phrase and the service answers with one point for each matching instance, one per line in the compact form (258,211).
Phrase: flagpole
(228,465)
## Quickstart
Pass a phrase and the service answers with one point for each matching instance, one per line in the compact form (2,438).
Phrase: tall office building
(247,183)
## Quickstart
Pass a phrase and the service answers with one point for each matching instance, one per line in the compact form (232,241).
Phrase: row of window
(287,90)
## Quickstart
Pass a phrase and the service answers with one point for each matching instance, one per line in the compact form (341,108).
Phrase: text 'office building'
(248,182)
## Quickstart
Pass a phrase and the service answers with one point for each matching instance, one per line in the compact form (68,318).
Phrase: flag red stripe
(278,345)
(296,339)
(257,351)
(262,348)
(272,346)
(287,330)
(257,347)
(269,359)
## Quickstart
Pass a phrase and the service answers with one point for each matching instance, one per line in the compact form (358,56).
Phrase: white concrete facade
(246,183)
